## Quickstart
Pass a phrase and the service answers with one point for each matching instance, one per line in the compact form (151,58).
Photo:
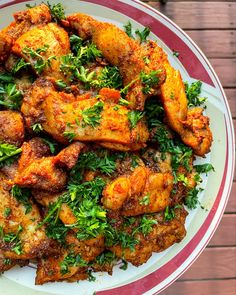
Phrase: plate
(164,268)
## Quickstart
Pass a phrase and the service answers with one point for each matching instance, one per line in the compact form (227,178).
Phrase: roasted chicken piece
(163,235)
(58,268)
(20,236)
(24,21)
(7,263)
(45,173)
(122,51)
(84,120)
(191,125)
(46,198)
(141,192)
(50,43)
(11,127)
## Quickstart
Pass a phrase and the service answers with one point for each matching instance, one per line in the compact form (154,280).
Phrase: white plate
(164,268)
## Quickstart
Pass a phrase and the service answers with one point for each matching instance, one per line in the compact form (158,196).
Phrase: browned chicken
(56,268)
(122,51)
(52,41)
(20,236)
(141,192)
(24,21)
(45,173)
(84,120)
(11,127)
(191,125)
(163,235)
(7,263)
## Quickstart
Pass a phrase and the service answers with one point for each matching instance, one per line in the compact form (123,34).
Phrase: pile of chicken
(58,112)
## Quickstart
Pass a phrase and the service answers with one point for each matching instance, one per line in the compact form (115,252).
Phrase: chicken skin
(122,51)
(45,173)
(24,21)
(162,235)
(52,40)
(61,114)
(20,236)
(52,269)
(12,128)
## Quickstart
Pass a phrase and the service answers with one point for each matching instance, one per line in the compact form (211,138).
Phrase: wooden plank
(225,234)
(231,205)
(214,287)
(213,263)
(215,43)
(226,70)
(195,15)
(231,97)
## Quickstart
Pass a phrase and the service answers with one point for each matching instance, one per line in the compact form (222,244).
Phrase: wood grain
(226,70)
(213,263)
(231,97)
(225,234)
(231,205)
(196,15)
(216,287)
(224,42)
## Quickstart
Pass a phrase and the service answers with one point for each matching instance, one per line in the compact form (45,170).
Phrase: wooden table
(212,25)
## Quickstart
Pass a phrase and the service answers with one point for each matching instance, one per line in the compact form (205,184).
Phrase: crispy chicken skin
(45,173)
(7,263)
(11,127)
(141,192)
(51,35)
(191,125)
(33,239)
(122,51)
(24,21)
(60,112)
(163,235)
(49,269)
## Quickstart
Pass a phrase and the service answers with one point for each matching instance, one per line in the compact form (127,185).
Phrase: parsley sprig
(8,153)
(10,96)
(193,92)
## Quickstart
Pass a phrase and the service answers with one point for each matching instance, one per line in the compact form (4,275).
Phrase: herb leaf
(8,153)
(134,117)
(92,116)
(204,168)
(193,91)
(143,34)
(57,11)
(22,195)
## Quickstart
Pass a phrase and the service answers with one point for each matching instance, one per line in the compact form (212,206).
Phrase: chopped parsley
(149,80)
(7,212)
(37,127)
(8,153)
(13,240)
(204,168)
(69,135)
(142,35)
(10,96)
(145,200)
(71,260)
(192,92)
(22,195)
(57,11)
(20,65)
(124,265)
(134,117)
(191,200)
(103,162)
(92,116)
(175,53)
(39,62)
(109,77)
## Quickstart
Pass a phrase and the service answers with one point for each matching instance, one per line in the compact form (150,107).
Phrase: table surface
(212,25)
